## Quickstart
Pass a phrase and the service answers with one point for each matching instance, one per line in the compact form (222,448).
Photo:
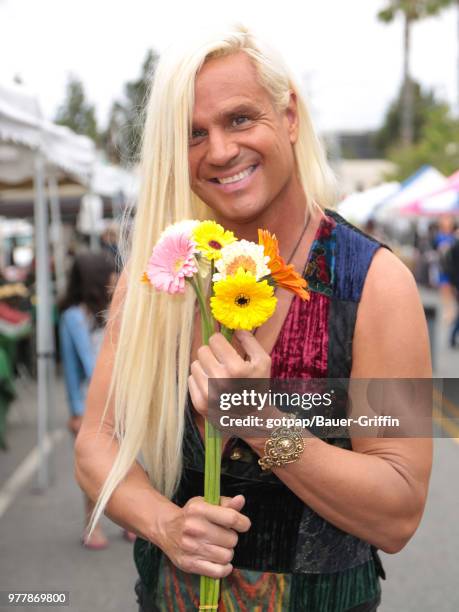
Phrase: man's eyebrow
(239,109)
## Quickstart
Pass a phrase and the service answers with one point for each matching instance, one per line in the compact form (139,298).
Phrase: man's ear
(291,113)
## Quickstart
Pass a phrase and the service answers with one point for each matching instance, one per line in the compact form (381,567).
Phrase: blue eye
(197,135)
(240,120)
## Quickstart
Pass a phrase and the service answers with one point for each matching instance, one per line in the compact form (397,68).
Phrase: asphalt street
(40,534)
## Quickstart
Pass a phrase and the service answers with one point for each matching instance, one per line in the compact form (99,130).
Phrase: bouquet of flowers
(240,296)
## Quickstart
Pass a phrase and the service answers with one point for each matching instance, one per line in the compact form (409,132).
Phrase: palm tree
(411,11)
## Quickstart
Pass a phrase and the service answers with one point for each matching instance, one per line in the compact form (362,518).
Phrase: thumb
(236,503)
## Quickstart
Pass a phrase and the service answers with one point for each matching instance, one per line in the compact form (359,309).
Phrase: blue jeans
(78,356)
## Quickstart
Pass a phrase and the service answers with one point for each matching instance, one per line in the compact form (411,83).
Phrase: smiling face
(240,152)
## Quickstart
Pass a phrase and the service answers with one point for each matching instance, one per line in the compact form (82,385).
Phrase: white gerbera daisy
(242,254)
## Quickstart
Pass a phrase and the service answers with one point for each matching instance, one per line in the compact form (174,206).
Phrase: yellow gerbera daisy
(210,238)
(240,302)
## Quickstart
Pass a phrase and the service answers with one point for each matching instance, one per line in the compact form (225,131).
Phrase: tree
(76,112)
(388,135)
(438,145)
(126,120)
(411,11)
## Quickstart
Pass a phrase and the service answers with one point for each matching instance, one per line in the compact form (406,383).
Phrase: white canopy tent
(110,180)
(422,182)
(117,184)
(32,148)
(22,124)
(358,207)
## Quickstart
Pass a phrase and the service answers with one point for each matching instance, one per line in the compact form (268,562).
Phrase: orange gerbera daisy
(284,275)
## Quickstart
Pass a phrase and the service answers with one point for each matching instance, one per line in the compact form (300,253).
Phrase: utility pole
(407,92)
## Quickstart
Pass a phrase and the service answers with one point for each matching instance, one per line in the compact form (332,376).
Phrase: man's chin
(241,213)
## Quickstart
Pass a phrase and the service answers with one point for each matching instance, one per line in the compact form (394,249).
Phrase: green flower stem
(209,587)
(227,332)
(207,326)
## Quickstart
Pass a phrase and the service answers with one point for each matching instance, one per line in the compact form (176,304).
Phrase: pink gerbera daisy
(171,262)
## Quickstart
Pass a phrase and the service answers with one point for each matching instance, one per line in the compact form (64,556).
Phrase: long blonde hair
(149,381)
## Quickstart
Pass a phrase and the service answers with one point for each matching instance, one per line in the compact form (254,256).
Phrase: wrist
(284,445)
(165,514)
(257,444)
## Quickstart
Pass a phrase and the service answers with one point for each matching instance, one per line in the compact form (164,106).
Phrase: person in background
(109,242)
(445,234)
(450,270)
(442,242)
(81,327)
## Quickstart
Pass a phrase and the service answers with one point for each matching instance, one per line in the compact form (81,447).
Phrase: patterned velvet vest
(315,342)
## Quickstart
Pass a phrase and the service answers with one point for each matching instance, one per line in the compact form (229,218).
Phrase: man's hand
(221,360)
(200,538)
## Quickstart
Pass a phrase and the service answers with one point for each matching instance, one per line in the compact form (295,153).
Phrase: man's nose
(221,148)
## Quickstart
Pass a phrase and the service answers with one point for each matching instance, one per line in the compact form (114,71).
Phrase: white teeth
(236,177)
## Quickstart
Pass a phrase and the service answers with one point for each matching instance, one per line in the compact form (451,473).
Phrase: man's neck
(285,217)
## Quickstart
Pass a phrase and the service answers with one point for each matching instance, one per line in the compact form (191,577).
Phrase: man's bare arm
(96,448)
(377,491)
(198,538)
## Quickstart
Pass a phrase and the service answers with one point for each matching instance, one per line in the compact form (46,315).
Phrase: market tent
(109,181)
(424,181)
(441,201)
(18,202)
(25,138)
(358,207)
(116,186)
(24,131)
(33,148)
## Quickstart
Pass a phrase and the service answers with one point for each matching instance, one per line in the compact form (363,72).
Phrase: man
(225,116)
(450,271)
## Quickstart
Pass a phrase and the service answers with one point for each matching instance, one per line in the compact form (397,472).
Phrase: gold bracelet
(284,446)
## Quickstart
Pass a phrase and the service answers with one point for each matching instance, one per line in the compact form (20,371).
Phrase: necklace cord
(298,242)
(292,255)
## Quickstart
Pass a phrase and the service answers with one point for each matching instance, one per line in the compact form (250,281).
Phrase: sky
(348,63)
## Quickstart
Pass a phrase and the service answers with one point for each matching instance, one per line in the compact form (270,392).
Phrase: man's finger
(216,554)
(213,570)
(197,399)
(237,502)
(222,349)
(209,362)
(226,517)
(250,344)
(198,373)
(221,536)
(200,378)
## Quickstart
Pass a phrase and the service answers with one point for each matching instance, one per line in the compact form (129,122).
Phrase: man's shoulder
(390,292)
(392,316)
(353,253)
